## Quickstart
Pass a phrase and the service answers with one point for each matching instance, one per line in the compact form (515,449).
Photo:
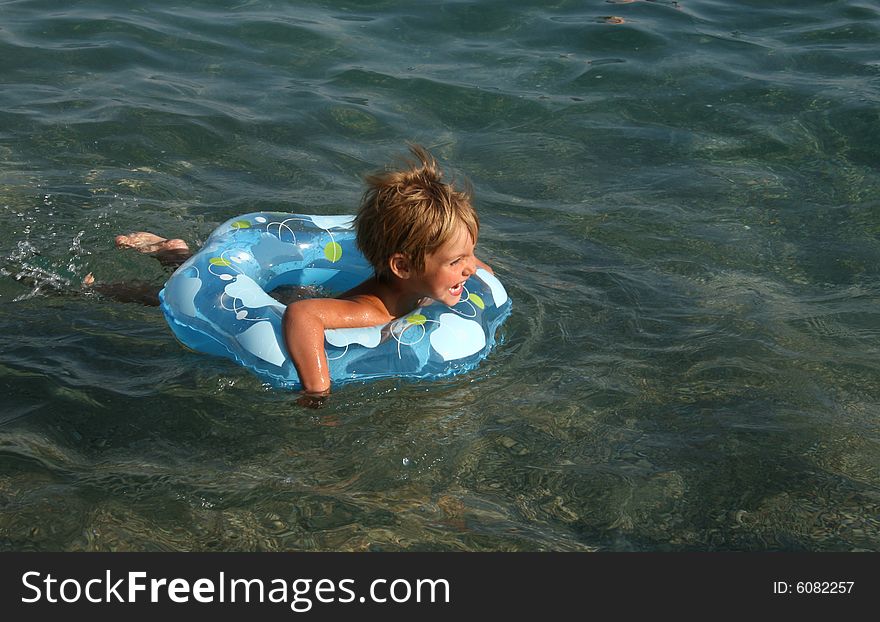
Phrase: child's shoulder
(346,311)
(371,288)
(374,296)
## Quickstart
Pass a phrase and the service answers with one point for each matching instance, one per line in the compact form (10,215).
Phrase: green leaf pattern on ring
(333,251)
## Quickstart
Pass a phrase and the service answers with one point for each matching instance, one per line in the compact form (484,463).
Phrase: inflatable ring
(217,303)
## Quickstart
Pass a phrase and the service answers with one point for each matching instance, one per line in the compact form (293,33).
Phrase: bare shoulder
(349,312)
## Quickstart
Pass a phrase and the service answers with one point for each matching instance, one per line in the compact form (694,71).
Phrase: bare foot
(88,280)
(149,243)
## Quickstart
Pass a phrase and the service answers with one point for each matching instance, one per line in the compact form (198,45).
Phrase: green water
(684,207)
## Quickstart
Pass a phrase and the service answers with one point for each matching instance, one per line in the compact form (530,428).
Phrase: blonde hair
(412,212)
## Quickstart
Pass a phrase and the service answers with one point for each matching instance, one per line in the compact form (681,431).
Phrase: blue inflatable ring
(217,303)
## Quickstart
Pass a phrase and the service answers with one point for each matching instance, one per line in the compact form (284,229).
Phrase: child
(419,235)
(417,232)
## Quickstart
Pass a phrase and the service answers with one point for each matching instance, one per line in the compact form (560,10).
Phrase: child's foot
(149,243)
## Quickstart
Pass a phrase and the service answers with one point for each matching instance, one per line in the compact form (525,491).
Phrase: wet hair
(412,212)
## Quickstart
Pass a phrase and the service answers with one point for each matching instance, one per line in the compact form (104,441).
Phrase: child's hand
(313,400)
(484,266)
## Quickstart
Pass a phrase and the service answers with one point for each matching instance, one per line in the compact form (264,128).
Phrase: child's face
(448,267)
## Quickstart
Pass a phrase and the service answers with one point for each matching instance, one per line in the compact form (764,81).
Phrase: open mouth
(456,290)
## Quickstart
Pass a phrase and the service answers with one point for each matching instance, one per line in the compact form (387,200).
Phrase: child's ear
(400,265)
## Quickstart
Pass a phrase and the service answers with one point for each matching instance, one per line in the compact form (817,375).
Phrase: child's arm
(304,323)
(485,267)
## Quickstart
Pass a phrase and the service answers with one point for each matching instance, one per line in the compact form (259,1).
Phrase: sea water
(680,196)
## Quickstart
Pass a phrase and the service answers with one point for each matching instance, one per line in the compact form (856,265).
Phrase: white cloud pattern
(244,288)
(457,337)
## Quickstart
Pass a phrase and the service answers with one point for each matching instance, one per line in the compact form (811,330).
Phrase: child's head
(411,212)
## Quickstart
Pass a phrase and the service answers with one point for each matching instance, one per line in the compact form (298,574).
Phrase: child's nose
(470,266)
